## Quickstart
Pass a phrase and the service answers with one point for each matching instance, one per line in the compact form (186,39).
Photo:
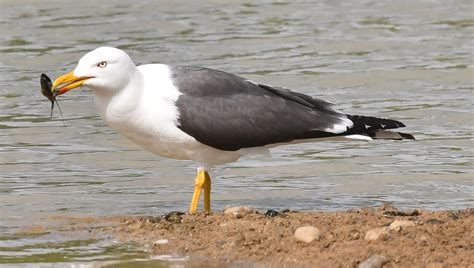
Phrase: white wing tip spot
(343,126)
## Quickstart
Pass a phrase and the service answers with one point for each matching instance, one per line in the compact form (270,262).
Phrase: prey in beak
(66,82)
(61,85)
(47,91)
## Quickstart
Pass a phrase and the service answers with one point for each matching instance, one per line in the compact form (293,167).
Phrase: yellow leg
(202,181)
(207,193)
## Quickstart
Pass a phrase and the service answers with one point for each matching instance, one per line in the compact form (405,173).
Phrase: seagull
(208,116)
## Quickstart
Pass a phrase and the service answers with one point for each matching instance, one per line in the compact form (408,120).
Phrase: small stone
(307,234)
(424,240)
(354,235)
(376,234)
(160,242)
(239,211)
(435,265)
(434,221)
(375,261)
(397,225)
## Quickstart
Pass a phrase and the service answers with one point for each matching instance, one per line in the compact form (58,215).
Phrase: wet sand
(387,236)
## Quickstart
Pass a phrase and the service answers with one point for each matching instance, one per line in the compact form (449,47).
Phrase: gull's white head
(104,69)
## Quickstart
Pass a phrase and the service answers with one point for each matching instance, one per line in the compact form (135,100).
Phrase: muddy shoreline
(367,237)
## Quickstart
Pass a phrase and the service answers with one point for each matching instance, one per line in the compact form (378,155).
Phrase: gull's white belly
(154,137)
(167,140)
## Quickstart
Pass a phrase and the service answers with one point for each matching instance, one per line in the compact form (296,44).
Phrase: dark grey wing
(227,112)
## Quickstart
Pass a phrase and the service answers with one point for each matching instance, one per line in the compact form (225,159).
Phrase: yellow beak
(67,82)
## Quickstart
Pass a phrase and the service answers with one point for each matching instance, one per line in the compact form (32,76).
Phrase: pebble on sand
(397,225)
(307,234)
(375,261)
(160,242)
(376,234)
(239,211)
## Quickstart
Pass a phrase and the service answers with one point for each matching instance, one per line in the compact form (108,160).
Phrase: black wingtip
(400,124)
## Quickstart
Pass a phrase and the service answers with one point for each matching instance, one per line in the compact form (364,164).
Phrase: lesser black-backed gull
(207,116)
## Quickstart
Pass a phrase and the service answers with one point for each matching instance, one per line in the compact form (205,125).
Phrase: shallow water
(406,60)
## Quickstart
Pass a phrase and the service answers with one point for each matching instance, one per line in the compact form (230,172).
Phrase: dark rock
(272,213)
(174,216)
(393,213)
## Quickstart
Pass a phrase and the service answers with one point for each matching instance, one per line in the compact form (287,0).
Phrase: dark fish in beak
(47,91)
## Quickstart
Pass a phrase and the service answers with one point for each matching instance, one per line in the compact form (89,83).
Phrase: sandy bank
(370,236)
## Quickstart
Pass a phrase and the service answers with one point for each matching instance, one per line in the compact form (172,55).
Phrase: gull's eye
(102,64)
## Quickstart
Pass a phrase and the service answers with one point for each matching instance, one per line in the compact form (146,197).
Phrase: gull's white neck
(111,104)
